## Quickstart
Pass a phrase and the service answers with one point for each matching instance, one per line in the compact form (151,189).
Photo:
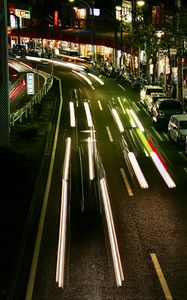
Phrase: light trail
(137,120)
(90,159)
(163,172)
(112,234)
(100,106)
(88,114)
(139,175)
(72,114)
(16,91)
(60,266)
(117,119)
(84,77)
(96,78)
(119,100)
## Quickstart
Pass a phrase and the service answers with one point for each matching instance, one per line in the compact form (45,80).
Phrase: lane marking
(109,134)
(100,106)
(127,184)
(161,277)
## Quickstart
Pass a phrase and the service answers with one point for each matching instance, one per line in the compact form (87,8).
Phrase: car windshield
(183,124)
(156,90)
(173,105)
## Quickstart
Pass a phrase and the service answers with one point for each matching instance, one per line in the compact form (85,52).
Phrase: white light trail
(72,114)
(100,106)
(84,77)
(67,159)
(121,105)
(139,175)
(88,114)
(63,217)
(96,78)
(90,159)
(62,237)
(118,121)
(112,234)
(136,120)
(165,175)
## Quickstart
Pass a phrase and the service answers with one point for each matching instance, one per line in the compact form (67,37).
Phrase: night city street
(95,205)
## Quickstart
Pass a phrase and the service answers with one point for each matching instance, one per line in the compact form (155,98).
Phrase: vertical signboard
(55,23)
(30,83)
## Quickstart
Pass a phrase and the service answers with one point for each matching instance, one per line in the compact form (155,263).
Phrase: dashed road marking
(127,184)
(109,134)
(161,277)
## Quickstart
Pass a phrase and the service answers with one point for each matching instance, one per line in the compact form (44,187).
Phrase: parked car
(146,91)
(153,98)
(163,110)
(177,128)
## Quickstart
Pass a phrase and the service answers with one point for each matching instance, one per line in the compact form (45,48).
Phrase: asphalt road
(150,222)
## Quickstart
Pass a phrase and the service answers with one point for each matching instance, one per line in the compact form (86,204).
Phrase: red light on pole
(55,23)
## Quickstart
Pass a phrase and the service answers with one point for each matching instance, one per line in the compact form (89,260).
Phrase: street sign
(30,83)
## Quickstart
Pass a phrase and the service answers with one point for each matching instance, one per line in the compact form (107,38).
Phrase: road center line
(109,134)
(129,190)
(100,106)
(161,277)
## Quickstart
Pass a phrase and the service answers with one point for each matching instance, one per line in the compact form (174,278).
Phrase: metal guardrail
(26,110)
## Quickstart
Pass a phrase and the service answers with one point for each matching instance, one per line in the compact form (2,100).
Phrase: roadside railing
(27,109)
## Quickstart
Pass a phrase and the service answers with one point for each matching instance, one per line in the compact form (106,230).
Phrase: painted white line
(161,277)
(109,134)
(127,184)
(100,106)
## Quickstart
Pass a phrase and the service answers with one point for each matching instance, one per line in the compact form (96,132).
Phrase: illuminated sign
(96,12)
(22,13)
(30,83)
(55,23)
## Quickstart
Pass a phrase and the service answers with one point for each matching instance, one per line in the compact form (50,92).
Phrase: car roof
(180,117)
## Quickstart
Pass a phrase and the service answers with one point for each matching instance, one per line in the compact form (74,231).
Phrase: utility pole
(4,77)
(179,53)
